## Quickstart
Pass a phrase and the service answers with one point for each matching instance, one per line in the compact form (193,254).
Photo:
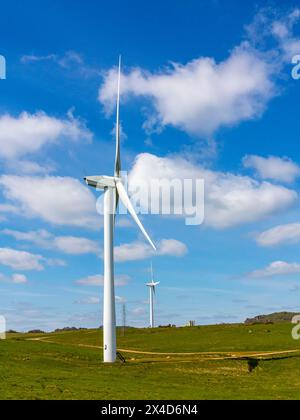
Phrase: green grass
(64,370)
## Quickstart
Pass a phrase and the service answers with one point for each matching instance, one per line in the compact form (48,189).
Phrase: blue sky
(207,91)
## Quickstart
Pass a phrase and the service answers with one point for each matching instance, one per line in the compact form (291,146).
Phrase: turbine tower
(152,287)
(114,191)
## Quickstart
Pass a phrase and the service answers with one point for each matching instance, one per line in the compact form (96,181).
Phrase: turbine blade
(126,201)
(117,199)
(118,147)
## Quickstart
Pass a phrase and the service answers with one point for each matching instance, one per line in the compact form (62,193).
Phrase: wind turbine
(114,191)
(152,287)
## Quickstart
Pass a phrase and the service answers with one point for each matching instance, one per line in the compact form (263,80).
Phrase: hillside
(274,318)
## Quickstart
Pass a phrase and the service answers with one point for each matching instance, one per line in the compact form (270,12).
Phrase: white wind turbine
(114,191)
(152,287)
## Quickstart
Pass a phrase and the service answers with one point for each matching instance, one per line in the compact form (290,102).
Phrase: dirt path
(206,355)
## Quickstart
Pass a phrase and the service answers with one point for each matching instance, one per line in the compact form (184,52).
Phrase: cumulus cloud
(204,95)
(56,200)
(283,234)
(76,246)
(39,237)
(230,199)
(98,280)
(20,260)
(277,268)
(28,133)
(274,168)
(15,279)
(172,248)
(133,252)
(137,251)
(67,244)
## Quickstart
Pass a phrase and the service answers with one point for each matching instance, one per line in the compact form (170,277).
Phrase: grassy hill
(68,365)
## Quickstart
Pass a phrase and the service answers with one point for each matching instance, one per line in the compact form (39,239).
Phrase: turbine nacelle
(115,182)
(152,284)
(102,182)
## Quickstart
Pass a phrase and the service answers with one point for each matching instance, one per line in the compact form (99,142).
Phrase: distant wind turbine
(152,287)
(114,191)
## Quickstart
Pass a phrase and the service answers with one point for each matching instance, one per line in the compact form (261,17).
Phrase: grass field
(185,363)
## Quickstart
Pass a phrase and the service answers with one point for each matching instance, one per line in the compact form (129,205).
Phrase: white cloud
(230,199)
(20,260)
(274,168)
(124,222)
(283,234)
(277,268)
(133,252)
(138,311)
(15,279)
(70,60)
(19,279)
(271,25)
(67,244)
(56,200)
(35,58)
(27,167)
(172,248)
(120,300)
(282,29)
(98,280)
(93,300)
(76,246)
(137,251)
(28,133)
(8,208)
(55,262)
(39,237)
(202,95)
